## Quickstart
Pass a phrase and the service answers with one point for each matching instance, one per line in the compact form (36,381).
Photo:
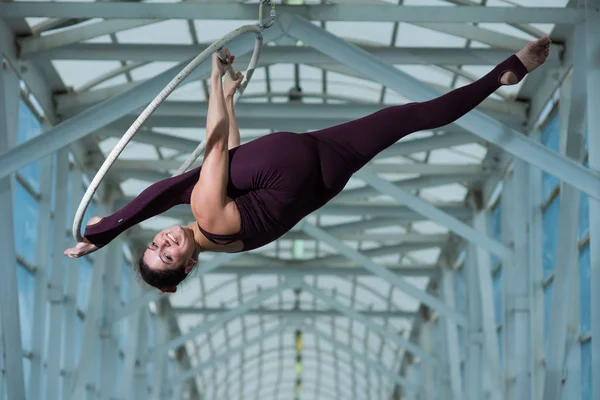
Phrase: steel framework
(405,286)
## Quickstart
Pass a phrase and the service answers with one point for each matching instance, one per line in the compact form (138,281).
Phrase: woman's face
(170,249)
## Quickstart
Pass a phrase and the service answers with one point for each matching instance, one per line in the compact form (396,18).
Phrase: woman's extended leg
(361,140)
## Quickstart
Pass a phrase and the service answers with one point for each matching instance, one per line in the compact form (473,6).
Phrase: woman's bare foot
(532,56)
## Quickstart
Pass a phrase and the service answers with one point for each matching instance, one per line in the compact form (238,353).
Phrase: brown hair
(161,279)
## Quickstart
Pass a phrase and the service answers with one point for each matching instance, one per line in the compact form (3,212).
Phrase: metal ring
(159,99)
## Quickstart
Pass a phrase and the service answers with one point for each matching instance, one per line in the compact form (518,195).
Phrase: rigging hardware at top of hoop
(263,23)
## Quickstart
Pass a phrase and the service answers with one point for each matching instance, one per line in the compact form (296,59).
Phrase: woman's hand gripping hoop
(162,96)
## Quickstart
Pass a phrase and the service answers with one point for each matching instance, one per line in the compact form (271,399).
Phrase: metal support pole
(42,257)
(109,342)
(475,122)
(572,365)
(492,369)
(474,365)
(516,286)
(450,328)
(141,379)
(89,360)
(535,262)
(593,125)
(70,361)
(572,115)
(426,341)
(160,360)
(134,329)
(9,296)
(55,292)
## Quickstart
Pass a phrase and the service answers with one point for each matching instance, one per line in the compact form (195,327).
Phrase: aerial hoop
(217,47)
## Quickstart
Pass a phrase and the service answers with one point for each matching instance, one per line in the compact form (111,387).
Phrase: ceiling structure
(354,324)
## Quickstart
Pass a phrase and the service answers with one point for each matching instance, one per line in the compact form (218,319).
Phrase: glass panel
(547,313)
(29,127)
(26,286)
(549,224)
(497,286)
(585,289)
(550,138)
(496,230)
(84,283)
(586,370)
(584,216)
(501,348)
(78,336)
(551,133)
(126,281)
(26,221)
(26,374)
(461,291)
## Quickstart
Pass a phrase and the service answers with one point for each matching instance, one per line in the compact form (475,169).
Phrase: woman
(244,197)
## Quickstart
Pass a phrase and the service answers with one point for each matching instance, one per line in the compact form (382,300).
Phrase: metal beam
(247,113)
(572,117)
(321,12)
(225,356)
(9,295)
(89,354)
(206,326)
(108,111)
(368,323)
(308,269)
(56,281)
(482,35)
(476,122)
(371,364)
(38,328)
(304,313)
(474,361)
(435,213)
(451,336)
(34,44)
(404,184)
(28,71)
(109,337)
(593,126)
(489,330)
(514,112)
(535,262)
(135,304)
(383,273)
(280,54)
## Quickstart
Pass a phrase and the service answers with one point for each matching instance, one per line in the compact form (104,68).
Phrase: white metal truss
(354,258)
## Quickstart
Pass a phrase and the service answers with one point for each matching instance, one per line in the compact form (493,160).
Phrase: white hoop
(160,98)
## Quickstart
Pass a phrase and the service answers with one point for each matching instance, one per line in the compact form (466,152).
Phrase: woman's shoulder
(224,221)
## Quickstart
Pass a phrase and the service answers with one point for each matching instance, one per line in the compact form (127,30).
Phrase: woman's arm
(156,199)
(230,88)
(210,204)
